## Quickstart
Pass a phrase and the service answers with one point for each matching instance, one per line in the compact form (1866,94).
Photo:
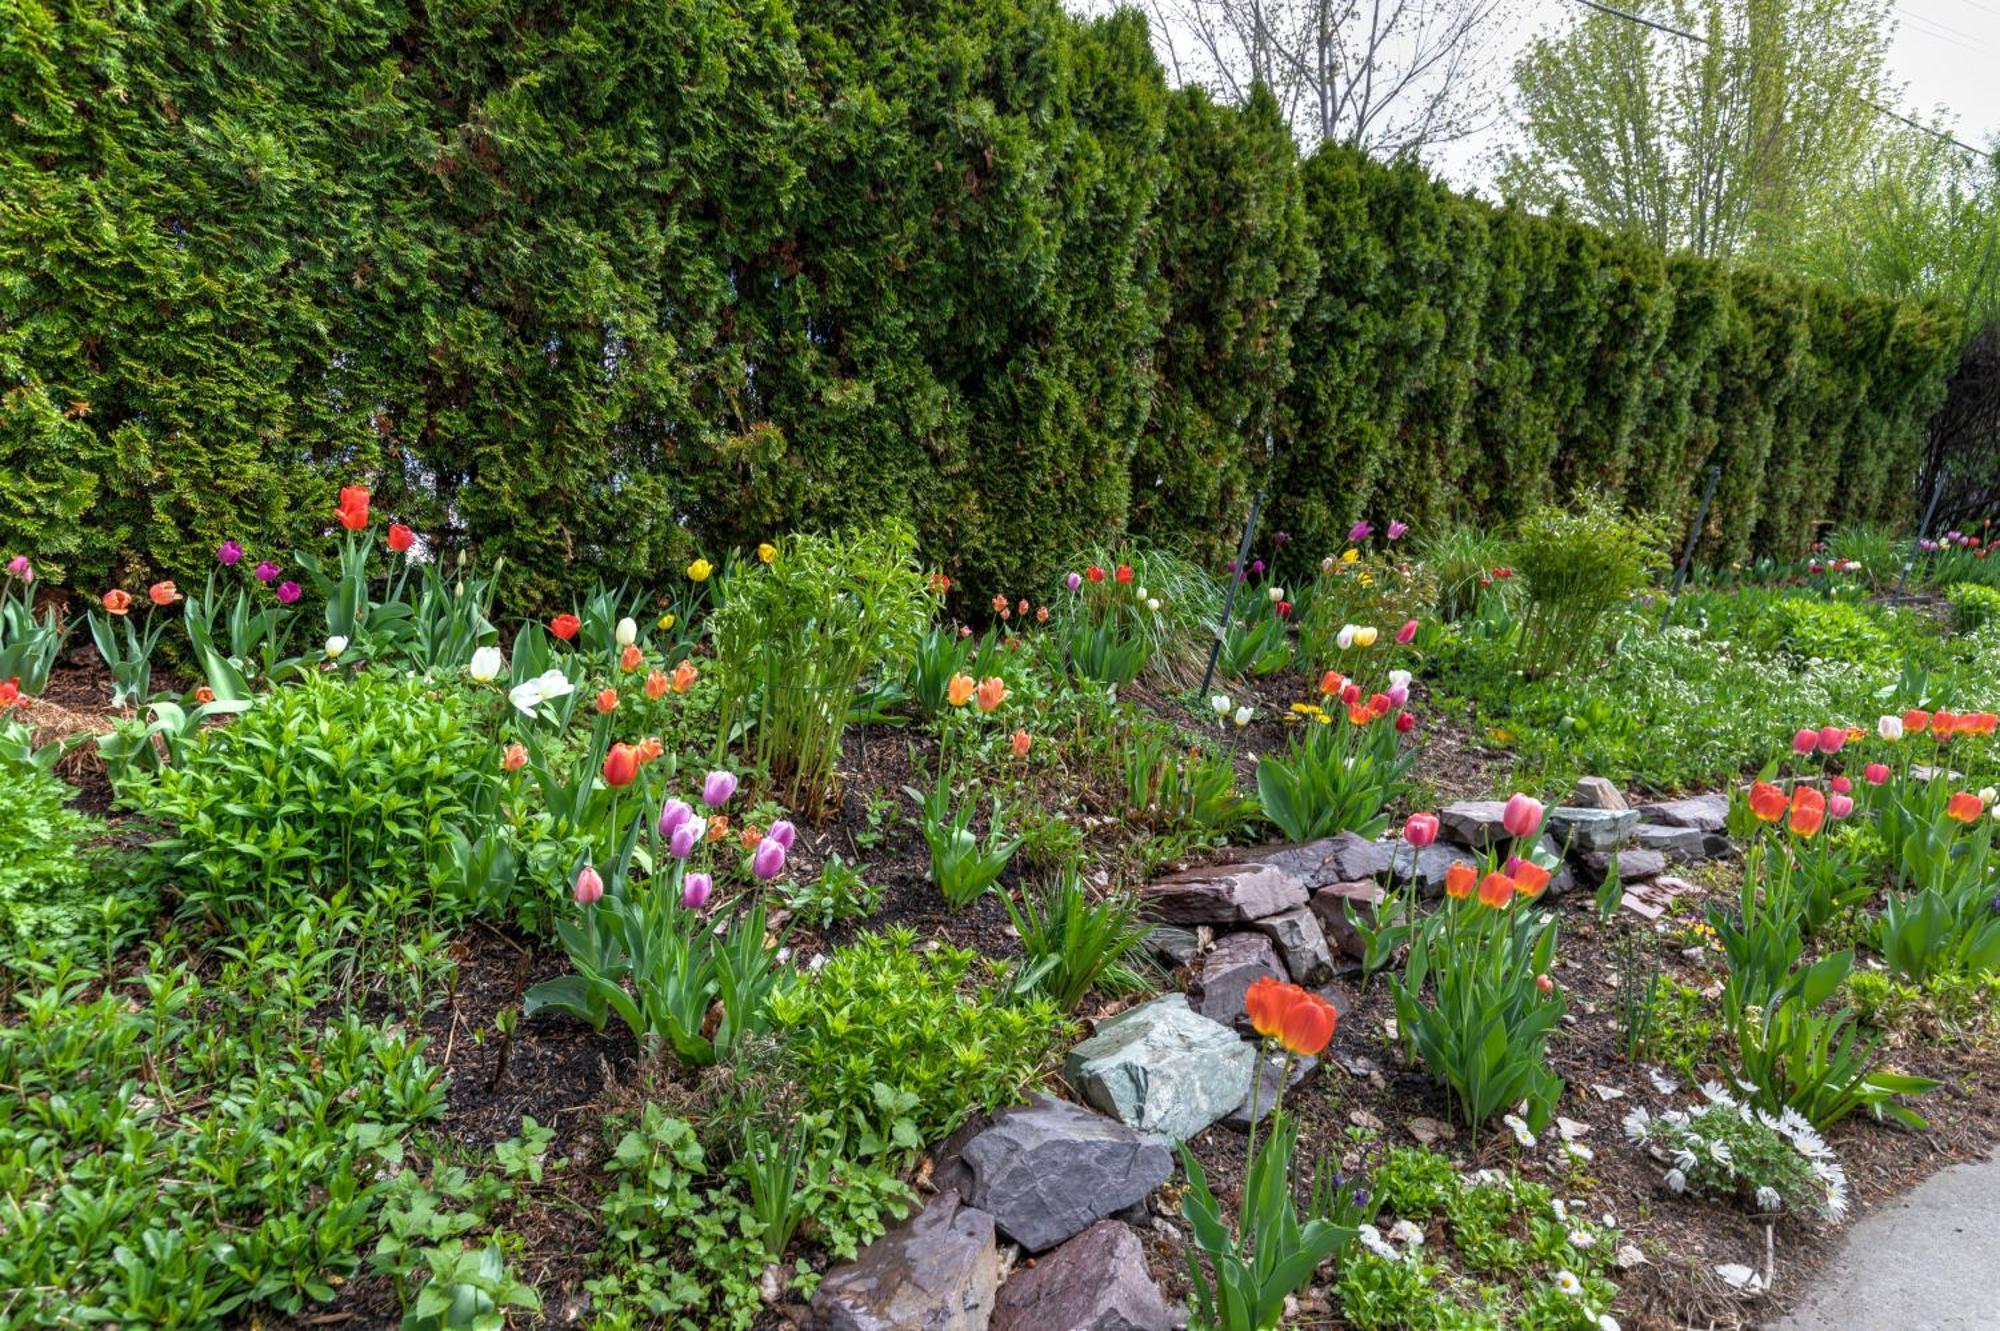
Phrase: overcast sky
(1946,55)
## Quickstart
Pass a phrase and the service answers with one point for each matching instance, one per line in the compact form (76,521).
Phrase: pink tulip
(1806,741)
(716,790)
(682,841)
(672,814)
(1396,529)
(1397,695)
(1360,531)
(1875,773)
(1421,829)
(19,567)
(1839,805)
(783,833)
(1522,817)
(266,571)
(589,886)
(695,891)
(1408,633)
(1073,581)
(768,860)
(1842,785)
(1831,738)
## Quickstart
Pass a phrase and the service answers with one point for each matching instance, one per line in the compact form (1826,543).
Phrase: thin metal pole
(1923,530)
(1229,597)
(1694,538)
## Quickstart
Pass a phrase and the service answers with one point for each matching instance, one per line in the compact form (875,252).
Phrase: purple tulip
(289,592)
(1282,539)
(717,789)
(783,833)
(695,891)
(266,571)
(1397,695)
(682,841)
(1396,529)
(1231,566)
(1073,581)
(768,860)
(1360,531)
(672,814)
(229,552)
(1256,567)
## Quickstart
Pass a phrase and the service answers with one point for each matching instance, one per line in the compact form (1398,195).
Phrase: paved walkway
(1928,1261)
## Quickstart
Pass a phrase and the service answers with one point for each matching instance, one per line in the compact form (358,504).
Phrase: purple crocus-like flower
(230,553)
(289,592)
(783,833)
(768,860)
(695,890)
(1073,581)
(681,843)
(1256,567)
(1360,531)
(716,790)
(672,814)
(266,571)
(1397,529)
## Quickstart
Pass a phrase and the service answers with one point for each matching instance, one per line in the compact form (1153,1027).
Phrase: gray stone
(1651,898)
(1226,973)
(1330,904)
(1427,866)
(1633,865)
(1098,1281)
(1223,894)
(1176,946)
(1048,1169)
(1709,813)
(1311,862)
(1681,845)
(938,1272)
(1355,857)
(1474,823)
(1596,792)
(1270,1068)
(1300,943)
(1162,1067)
(1590,829)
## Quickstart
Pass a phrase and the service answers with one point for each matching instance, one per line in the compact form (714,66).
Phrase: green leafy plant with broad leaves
(1073,942)
(1974,605)
(1110,653)
(28,642)
(794,638)
(127,651)
(344,783)
(1335,776)
(963,866)
(54,890)
(1576,566)
(838,895)
(898,1045)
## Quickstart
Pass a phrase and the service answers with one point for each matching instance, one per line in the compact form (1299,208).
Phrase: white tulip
(1399,679)
(1890,728)
(1277,594)
(1345,638)
(1243,715)
(1220,702)
(1988,795)
(545,687)
(335,646)
(1153,604)
(1142,593)
(628,631)
(485,665)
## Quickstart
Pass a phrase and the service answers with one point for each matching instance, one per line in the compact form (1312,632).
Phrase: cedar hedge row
(591,285)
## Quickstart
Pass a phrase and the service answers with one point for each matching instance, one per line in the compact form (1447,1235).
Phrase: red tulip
(621,766)
(1405,722)
(1767,801)
(1875,773)
(353,507)
(401,538)
(565,626)
(1965,807)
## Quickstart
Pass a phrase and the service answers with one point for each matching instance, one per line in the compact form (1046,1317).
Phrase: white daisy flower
(1567,1282)
(1407,1232)
(1519,1126)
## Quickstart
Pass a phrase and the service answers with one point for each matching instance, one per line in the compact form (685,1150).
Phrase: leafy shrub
(1974,605)
(899,1046)
(794,637)
(1336,776)
(47,876)
(1576,566)
(1826,630)
(1073,942)
(342,784)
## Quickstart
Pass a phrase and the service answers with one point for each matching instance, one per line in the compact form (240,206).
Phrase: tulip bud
(1220,704)
(627,632)
(717,788)
(769,860)
(695,890)
(1875,773)
(1544,985)
(514,759)
(1522,817)
(335,646)
(672,814)
(1073,581)
(1839,805)
(1408,633)
(1405,723)
(1277,594)
(589,886)
(1421,829)
(685,838)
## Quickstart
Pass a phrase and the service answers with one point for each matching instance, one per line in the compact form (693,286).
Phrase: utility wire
(1876,107)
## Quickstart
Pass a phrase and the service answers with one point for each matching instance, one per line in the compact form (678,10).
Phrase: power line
(1944,32)
(1876,107)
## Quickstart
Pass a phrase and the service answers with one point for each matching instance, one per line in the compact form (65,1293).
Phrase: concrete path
(1928,1261)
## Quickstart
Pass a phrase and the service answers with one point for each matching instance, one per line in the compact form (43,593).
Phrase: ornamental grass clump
(1576,567)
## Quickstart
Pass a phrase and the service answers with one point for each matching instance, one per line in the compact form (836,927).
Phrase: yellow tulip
(699,570)
(767,552)
(667,621)
(1349,555)
(1365,636)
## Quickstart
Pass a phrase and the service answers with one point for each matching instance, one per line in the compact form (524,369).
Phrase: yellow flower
(1364,579)
(1306,709)
(767,552)
(667,621)
(1349,555)
(1365,636)
(699,570)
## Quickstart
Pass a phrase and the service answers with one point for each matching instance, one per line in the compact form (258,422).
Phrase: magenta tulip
(229,552)
(1396,529)
(589,886)
(1360,531)
(672,814)
(1875,773)
(1522,817)
(1831,738)
(1421,829)
(1408,633)
(1074,581)
(266,571)
(768,860)
(289,592)
(1806,741)
(717,789)
(695,891)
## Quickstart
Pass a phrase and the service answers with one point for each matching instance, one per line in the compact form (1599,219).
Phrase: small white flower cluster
(1697,1142)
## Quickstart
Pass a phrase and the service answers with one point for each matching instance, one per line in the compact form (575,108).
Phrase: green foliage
(218,1214)
(1335,776)
(838,895)
(342,784)
(793,639)
(53,889)
(1073,942)
(1771,1161)
(1837,631)
(1973,605)
(899,1046)
(1576,567)
(962,864)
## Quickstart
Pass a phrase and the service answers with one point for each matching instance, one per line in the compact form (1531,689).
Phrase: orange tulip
(656,685)
(607,701)
(650,748)
(718,827)
(1965,806)
(1265,1001)
(163,593)
(117,601)
(1529,878)
(684,676)
(353,508)
(749,837)
(1916,722)
(1496,890)
(1944,724)
(1458,880)
(959,691)
(631,658)
(1330,683)
(515,758)
(1307,1025)
(621,766)
(992,692)
(204,695)
(1808,811)
(1022,741)
(1767,802)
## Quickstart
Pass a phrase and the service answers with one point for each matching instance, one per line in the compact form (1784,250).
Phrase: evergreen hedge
(592,285)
